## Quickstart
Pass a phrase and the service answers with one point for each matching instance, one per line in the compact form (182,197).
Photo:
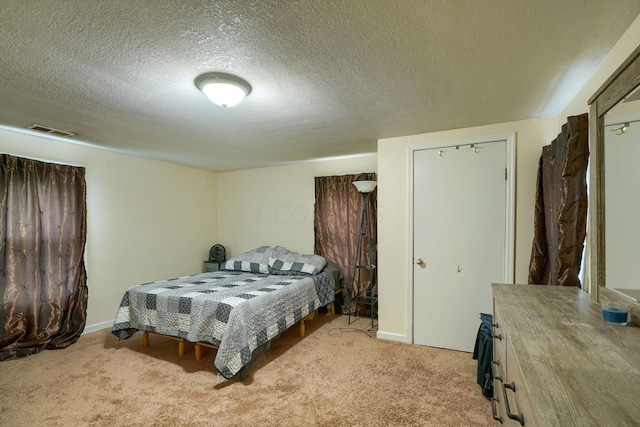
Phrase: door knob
(419,261)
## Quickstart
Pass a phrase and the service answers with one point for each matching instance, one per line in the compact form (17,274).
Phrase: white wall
(146,220)
(274,205)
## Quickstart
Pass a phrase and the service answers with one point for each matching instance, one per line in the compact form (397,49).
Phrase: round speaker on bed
(217,253)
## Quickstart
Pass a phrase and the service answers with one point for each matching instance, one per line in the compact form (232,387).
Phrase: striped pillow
(253,261)
(284,262)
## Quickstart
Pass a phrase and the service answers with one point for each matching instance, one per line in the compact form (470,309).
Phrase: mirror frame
(622,82)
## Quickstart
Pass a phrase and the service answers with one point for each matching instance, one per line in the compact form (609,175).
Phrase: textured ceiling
(329,77)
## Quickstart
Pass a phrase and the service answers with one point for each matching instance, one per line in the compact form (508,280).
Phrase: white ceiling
(329,77)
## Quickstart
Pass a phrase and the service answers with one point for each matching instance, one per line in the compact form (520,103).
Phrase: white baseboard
(97,326)
(393,337)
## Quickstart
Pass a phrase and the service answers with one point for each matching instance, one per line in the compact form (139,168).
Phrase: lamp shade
(365,186)
(225,90)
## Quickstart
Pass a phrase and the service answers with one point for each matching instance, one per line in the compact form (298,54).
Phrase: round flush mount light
(225,90)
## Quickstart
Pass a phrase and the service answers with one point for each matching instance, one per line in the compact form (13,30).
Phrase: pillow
(283,261)
(253,261)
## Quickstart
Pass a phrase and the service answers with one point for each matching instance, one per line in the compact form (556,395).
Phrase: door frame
(510,139)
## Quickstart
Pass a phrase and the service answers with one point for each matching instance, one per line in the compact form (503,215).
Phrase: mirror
(622,195)
(618,91)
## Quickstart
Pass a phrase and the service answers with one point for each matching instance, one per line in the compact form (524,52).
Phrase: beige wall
(274,206)
(616,56)
(146,220)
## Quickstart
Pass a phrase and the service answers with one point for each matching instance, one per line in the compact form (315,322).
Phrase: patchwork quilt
(234,310)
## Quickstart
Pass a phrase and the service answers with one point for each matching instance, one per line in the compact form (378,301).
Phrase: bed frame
(122,331)
(244,374)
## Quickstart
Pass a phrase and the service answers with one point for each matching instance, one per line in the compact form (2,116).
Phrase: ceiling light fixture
(225,90)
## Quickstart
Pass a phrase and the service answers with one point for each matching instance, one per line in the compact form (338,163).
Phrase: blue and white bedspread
(235,311)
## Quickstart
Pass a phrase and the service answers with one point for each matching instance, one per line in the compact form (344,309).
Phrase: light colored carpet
(336,376)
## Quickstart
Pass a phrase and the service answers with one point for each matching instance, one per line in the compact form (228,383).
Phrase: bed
(254,298)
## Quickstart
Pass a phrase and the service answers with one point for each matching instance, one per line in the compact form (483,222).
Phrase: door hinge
(505,174)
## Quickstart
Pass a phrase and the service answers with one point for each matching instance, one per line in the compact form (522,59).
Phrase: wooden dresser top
(578,370)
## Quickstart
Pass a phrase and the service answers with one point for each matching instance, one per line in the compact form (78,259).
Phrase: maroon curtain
(560,222)
(338,212)
(42,239)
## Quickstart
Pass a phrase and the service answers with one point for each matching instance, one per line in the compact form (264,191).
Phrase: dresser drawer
(497,401)
(517,403)
(509,394)
(499,345)
(498,365)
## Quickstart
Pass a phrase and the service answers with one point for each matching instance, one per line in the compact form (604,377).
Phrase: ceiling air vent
(51,131)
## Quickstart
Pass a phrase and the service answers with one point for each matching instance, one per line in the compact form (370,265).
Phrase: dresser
(557,363)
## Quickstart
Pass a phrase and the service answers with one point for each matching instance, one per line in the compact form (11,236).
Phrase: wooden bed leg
(181,341)
(302,328)
(198,348)
(181,348)
(309,316)
(332,309)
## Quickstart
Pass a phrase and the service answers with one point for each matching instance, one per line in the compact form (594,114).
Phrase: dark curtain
(338,212)
(560,221)
(42,239)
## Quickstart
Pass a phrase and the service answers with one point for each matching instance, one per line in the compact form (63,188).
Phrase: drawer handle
(499,336)
(496,362)
(494,411)
(517,417)
(498,377)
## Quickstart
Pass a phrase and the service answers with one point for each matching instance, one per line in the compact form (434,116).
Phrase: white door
(459,226)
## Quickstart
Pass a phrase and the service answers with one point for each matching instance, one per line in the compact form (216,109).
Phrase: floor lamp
(365,261)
